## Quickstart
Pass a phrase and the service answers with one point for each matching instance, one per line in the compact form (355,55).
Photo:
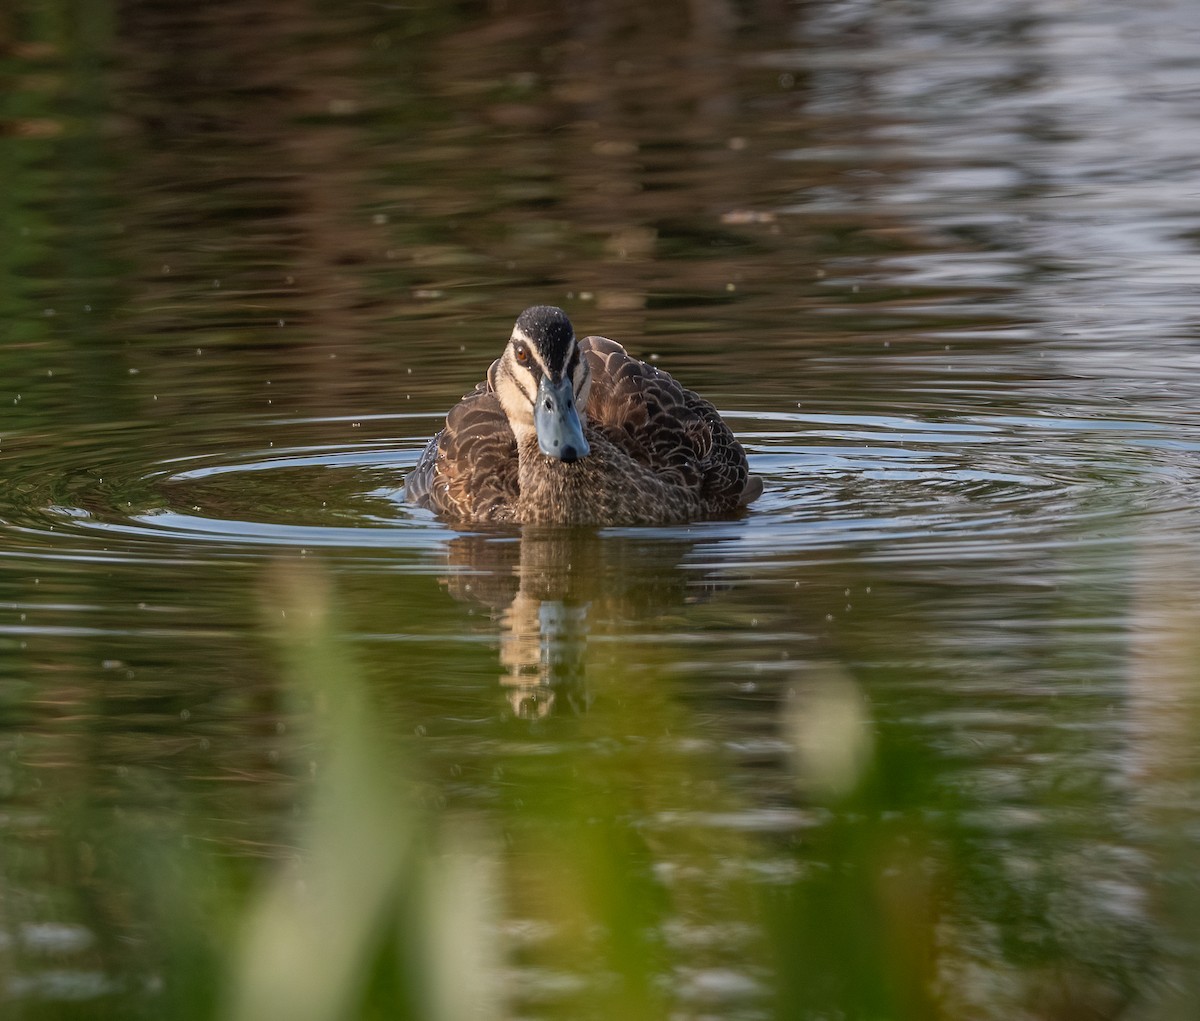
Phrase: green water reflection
(915,738)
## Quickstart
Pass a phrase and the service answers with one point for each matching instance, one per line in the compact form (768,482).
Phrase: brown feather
(661,424)
(660,453)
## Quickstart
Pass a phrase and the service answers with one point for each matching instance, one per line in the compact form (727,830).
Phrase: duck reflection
(550,590)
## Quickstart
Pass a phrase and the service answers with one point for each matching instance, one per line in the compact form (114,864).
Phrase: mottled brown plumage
(659,453)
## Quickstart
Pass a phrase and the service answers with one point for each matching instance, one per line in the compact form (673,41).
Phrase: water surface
(935,690)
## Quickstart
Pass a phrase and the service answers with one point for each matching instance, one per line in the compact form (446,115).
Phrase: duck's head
(542,382)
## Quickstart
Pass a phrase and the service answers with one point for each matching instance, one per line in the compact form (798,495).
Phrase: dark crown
(550,331)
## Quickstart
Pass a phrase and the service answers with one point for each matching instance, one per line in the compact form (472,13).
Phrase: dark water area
(914,737)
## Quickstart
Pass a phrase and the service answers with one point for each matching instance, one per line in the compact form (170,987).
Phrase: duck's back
(667,427)
(469,470)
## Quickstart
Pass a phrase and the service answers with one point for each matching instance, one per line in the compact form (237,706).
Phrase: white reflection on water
(1058,143)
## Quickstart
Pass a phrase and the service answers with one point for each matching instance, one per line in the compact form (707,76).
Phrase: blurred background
(914,738)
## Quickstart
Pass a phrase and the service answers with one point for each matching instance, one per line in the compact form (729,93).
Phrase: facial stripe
(539,359)
(573,361)
(527,384)
(537,365)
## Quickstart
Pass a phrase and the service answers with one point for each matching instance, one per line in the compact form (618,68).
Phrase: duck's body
(645,450)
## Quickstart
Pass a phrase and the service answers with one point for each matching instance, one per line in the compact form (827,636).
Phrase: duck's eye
(521,352)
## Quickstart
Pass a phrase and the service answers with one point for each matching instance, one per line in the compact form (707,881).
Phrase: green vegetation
(616,872)
(925,752)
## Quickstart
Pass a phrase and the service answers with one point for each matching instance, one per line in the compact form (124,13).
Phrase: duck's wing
(668,428)
(468,471)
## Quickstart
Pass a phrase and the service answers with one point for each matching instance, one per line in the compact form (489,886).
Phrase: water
(930,705)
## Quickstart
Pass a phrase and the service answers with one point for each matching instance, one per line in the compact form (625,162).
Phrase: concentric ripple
(222,503)
(908,483)
(980,481)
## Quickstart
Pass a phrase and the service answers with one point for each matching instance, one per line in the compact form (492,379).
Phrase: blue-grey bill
(559,431)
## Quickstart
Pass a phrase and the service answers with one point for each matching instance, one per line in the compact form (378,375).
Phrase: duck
(564,431)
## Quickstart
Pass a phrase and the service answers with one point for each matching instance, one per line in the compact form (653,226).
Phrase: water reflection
(961,237)
(555,593)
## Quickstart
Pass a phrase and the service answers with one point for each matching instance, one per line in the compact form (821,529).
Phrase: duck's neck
(553,491)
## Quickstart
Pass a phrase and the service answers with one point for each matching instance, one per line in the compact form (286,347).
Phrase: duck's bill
(559,431)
